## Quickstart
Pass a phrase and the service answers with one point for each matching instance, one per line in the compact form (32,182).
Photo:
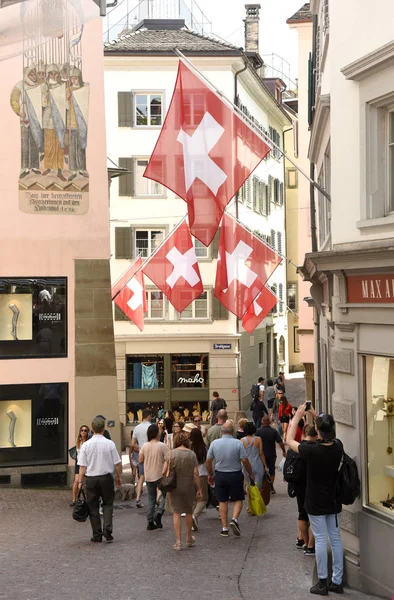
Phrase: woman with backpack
(321,502)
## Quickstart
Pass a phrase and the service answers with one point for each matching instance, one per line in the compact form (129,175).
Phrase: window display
(189,370)
(145,372)
(33,317)
(379,386)
(33,424)
(185,411)
(134,411)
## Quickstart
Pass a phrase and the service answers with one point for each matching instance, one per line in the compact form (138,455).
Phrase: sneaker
(109,538)
(139,504)
(300,544)
(224,533)
(101,511)
(337,588)
(320,588)
(195,524)
(310,551)
(183,514)
(235,527)
(158,521)
(96,539)
(151,526)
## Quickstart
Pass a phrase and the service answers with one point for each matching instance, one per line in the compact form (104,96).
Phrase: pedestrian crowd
(187,466)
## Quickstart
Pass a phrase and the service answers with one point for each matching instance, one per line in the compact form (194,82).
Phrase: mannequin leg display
(15,317)
(12,416)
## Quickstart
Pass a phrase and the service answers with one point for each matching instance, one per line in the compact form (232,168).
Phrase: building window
(143,185)
(144,373)
(281,303)
(155,304)
(194,106)
(279,242)
(324,181)
(202,251)
(292,178)
(379,389)
(198,309)
(148,110)
(296,339)
(390,161)
(261,353)
(274,288)
(191,371)
(147,240)
(292,296)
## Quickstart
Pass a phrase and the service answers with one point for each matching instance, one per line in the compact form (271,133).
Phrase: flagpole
(251,124)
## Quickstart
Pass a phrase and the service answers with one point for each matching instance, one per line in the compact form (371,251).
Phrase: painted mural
(52,104)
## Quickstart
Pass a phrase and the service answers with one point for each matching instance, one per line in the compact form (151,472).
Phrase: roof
(303,15)
(164,41)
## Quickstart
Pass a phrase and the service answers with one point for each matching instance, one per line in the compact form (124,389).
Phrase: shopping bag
(281,465)
(81,510)
(256,503)
(212,501)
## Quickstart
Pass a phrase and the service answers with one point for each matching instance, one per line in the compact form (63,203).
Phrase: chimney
(252,27)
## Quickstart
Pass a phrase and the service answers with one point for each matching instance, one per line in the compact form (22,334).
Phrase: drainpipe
(312,209)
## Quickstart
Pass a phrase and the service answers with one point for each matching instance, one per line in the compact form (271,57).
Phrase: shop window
(379,386)
(189,370)
(33,424)
(147,240)
(33,317)
(134,411)
(185,411)
(198,309)
(145,372)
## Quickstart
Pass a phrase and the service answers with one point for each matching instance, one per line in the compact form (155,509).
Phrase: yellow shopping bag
(256,503)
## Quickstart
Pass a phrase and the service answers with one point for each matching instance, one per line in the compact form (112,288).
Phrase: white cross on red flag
(244,264)
(129,294)
(259,309)
(174,269)
(204,153)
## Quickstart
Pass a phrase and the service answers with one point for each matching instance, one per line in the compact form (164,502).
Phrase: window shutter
(125,109)
(273,238)
(280,297)
(267,200)
(275,308)
(279,242)
(215,244)
(281,193)
(219,312)
(119,314)
(256,183)
(123,242)
(262,192)
(126,182)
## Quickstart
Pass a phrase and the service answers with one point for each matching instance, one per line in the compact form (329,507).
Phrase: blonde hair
(242,422)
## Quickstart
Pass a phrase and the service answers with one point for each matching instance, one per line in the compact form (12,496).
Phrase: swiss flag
(204,153)
(174,269)
(259,309)
(244,265)
(129,295)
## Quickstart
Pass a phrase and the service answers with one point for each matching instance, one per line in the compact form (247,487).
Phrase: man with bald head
(229,455)
(214,432)
(270,437)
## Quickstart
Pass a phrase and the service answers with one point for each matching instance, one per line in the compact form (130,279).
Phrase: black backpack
(255,393)
(293,468)
(347,487)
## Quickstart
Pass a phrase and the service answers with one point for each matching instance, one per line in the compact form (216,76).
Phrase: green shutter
(215,244)
(281,194)
(123,242)
(119,314)
(126,182)
(125,109)
(219,312)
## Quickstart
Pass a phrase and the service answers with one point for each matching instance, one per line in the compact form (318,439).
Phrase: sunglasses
(197,420)
(176,426)
(84,430)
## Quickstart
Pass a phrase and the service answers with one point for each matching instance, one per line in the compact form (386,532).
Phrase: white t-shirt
(140,433)
(99,455)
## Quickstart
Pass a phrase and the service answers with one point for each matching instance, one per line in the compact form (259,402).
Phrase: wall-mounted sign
(371,289)
(222,346)
(195,379)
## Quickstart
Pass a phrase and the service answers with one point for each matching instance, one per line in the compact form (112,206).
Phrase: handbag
(81,510)
(168,481)
(266,489)
(73,452)
(256,502)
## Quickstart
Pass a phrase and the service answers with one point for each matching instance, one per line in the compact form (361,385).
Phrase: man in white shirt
(153,455)
(139,438)
(97,458)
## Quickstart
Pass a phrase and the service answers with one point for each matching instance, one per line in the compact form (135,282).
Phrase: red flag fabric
(129,294)
(204,153)
(259,309)
(244,264)
(174,269)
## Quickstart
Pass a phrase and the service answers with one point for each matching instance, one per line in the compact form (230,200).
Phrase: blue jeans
(321,526)
(152,495)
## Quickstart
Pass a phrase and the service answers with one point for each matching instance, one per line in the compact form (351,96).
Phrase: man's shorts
(302,514)
(270,403)
(229,485)
(271,460)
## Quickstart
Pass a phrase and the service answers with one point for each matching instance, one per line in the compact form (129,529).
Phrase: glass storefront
(33,317)
(33,424)
(379,386)
(145,372)
(189,370)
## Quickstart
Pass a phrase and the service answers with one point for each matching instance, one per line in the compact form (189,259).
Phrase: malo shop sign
(371,289)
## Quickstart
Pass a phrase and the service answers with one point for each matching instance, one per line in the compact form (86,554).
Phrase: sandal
(191,542)
(177,546)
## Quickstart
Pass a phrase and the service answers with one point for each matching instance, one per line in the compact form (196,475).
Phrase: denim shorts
(141,469)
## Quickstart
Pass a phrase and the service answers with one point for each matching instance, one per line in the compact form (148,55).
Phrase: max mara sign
(372,289)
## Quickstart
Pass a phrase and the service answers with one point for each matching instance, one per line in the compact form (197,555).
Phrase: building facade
(351,273)
(198,351)
(57,341)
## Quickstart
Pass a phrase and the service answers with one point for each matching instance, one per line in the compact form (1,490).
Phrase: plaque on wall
(33,317)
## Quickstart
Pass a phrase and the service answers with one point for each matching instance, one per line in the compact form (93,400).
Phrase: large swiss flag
(259,309)
(204,153)
(129,295)
(244,264)
(174,268)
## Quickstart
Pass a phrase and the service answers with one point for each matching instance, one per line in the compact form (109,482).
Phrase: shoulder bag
(168,481)
(81,510)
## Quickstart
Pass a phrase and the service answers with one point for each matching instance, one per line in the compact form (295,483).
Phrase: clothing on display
(12,417)
(15,316)
(149,377)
